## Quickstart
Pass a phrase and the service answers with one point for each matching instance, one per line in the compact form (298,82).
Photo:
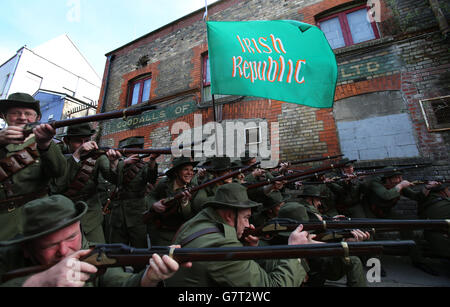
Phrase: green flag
(284,60)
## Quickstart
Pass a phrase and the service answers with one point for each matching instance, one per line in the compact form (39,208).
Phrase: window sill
(363,45)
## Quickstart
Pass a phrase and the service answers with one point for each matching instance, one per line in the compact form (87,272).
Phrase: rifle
(315,159)
(171,201)
(140,151)
(395,169)
(305,174)
(92,118)
(277,225)
(119,255)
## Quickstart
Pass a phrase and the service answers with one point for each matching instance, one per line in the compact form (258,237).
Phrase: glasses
(19,114)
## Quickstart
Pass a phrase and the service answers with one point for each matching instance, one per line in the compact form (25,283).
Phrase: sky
(94,26)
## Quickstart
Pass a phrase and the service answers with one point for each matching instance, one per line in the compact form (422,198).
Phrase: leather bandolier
(80,180)
(130,173)
(12,165)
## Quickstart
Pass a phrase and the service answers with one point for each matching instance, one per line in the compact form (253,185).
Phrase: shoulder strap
(198,234)
(132,171)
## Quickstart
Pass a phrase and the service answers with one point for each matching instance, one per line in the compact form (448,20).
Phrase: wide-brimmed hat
(346,161)
(46,215)
(390,171)
(311,191)
(178,163)
(219,164)
(246,157)
(81,130)
(295,211)
(232,195)
(132,142)
(20,100)
(271,200)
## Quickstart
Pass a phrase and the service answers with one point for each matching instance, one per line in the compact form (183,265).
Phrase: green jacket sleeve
(53,161)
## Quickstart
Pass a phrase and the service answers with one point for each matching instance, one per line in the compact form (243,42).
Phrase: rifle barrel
(315,159)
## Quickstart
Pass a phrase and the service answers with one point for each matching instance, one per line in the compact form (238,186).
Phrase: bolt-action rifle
(92,118)
(277,225)
(119,255)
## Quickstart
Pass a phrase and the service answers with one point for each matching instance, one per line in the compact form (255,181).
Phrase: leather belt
(13,203)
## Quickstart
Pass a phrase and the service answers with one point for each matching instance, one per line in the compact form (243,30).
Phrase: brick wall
(416,63)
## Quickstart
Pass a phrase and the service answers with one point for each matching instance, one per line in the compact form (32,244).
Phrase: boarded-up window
(436,112)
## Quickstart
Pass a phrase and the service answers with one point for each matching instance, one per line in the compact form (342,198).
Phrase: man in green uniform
(381,194)
(221,224)
(135,174)
(348,191)
(81,179)
(27,162)
(167,219)
(325,268)
(52,236)
(437,206)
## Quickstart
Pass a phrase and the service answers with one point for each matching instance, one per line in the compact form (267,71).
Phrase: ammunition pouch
(17,161)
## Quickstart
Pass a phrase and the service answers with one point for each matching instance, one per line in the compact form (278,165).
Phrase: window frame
(345,27)
(139,80)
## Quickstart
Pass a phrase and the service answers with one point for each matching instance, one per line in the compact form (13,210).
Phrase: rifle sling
(198,234)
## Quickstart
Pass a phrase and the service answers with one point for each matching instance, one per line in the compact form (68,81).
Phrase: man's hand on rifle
(186,197)
(258,173)
(160,268)
(113,156)
(131,159)
(250,240)
(84,149)
(298,237)
(358,236)
(403,184)
(159,206)
(44,134)
(11,135)
(69,272)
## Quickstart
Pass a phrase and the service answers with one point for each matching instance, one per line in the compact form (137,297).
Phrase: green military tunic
(246,273)
(12,258)
(31,182)
(127,225)
(92,222)
(163,227)
(323,268)
(435,206)
(348,197)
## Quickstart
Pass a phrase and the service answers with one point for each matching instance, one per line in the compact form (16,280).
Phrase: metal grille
(436,112)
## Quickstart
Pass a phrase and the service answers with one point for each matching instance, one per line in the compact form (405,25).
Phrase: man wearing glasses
(27,161)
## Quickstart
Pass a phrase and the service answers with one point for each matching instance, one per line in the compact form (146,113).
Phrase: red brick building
(391,103)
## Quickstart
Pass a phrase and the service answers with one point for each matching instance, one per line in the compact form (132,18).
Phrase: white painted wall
(56,65)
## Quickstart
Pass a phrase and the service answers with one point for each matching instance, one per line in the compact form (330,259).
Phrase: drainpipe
(110,60)
(440,17)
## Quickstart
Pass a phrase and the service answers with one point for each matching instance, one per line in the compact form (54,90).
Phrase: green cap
(439,187)
(246,157)
(233,195)
(20,100)
(177,163)
(79,130)
(132,142)
(46,215)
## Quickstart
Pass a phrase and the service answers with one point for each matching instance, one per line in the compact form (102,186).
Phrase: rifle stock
(120,255)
